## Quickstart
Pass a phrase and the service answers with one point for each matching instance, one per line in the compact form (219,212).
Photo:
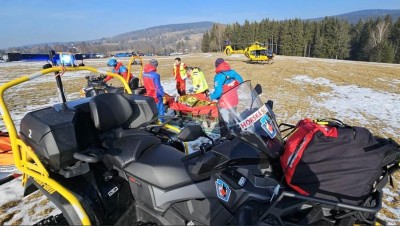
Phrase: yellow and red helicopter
(256,52)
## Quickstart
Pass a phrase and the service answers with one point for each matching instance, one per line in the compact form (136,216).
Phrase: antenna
(60,87)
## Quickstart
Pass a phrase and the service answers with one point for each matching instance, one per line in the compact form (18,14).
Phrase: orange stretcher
(195,105)
(6,155)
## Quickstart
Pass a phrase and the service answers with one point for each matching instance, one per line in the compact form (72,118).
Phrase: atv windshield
(245,116)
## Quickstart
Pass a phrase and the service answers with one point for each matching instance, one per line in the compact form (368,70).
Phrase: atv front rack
(276,211)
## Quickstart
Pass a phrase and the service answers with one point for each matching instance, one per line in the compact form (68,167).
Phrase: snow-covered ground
(23,211)
(347,101)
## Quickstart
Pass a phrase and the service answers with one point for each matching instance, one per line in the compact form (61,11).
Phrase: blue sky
(25,22)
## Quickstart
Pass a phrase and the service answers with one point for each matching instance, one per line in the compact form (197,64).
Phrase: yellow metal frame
(131,60)
(24,157)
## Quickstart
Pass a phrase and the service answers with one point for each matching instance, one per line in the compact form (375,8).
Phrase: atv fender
(66,208)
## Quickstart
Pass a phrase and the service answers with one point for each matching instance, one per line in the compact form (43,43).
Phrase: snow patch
(30,209)
(353,102)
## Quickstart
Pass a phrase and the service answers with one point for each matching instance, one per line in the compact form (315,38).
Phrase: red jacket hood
(149,68)
(224,66)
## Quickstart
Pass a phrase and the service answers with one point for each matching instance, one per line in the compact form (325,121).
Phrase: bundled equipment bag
(331,160)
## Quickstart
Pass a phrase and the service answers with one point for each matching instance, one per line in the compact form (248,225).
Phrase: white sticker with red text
(253,117)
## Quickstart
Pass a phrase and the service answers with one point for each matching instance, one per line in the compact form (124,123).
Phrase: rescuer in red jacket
(151,81)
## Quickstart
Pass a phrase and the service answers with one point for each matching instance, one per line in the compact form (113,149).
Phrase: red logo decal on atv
(223,190)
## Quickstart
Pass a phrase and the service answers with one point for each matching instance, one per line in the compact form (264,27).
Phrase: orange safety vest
(182,71)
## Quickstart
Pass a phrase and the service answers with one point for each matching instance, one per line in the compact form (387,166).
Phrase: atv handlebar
(92,78)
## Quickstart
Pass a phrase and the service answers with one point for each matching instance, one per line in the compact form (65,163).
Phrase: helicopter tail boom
(229,51)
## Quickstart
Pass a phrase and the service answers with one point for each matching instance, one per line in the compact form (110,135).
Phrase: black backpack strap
(289,127)
(390,163)
(383,181)
(226,77)
(387,177)
(392,151)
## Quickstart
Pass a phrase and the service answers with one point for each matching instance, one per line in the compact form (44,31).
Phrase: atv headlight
(67,59)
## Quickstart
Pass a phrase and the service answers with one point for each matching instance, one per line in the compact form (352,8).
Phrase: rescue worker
(152,84)
(225,79)
(179,73)
(198,80)
(118,68)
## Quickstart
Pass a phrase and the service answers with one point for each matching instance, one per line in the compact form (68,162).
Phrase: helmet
(154,62)
(112,62)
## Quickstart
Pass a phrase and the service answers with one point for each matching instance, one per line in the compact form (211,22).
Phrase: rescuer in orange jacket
(179,73)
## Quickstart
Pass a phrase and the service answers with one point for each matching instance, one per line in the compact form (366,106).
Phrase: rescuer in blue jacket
(225,79)
(118,68)
(151,81)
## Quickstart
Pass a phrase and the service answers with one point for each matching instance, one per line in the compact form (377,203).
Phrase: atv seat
(160,166)
(127,149)
(110,113)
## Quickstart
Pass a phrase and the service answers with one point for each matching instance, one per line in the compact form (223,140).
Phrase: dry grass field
(358,93)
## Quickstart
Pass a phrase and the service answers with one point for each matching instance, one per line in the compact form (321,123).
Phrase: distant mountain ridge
(354,17)
(150,32)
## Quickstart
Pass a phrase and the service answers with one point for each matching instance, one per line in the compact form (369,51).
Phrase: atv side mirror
(270,104)
(47,66)
(258,89)
(190,133)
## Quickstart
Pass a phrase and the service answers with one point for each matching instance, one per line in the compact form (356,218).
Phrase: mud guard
(66,208)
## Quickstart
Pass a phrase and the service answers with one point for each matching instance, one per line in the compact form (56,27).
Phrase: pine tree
(342,39)
(364,41)
(205,43)
(309,28)
(319,40)
(394,38)
(236,36)
(296,34)
(355,41)
(284,38)
(246,36)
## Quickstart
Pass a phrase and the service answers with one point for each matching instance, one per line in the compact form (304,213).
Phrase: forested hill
(364,15)
(187,28)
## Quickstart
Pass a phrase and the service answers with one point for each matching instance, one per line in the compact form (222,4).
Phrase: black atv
(96,85)
(99,161)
